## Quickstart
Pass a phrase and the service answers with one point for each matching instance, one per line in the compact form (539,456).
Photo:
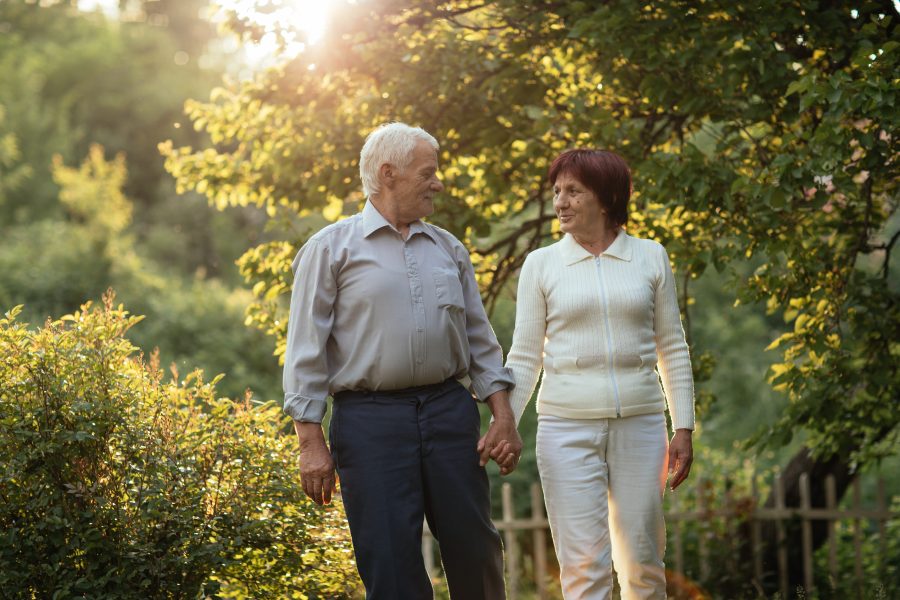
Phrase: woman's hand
(681,455)
(501,442)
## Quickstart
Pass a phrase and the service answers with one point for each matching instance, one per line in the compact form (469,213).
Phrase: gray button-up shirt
(372,311)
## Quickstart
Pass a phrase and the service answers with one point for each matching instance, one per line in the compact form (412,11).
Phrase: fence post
(512,548)
(756,533)
(779,528)
(857,539)
(882,530)
(677,534)
(702,550)
(831,504)
(428,552)
(540,541)
(806,530)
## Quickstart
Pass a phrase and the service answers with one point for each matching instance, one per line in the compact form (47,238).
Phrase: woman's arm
(525,357)
(674,358)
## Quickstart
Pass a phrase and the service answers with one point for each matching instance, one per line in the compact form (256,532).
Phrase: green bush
(117,484)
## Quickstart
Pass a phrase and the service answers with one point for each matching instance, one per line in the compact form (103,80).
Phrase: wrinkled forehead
(423,155)
(568,177)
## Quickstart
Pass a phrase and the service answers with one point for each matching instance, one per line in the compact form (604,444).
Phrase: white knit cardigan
(605,330)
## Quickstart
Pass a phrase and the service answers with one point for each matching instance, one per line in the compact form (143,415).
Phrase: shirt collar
(573,252)
(372,221)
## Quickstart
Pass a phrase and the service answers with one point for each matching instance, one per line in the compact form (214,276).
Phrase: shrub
(117,484)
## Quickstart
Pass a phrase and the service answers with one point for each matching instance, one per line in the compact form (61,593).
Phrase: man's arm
(305,366)
(491,381)
(485,355)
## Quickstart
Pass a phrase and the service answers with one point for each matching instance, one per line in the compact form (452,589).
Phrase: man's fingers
(307,488)
(317,490)
(328,489)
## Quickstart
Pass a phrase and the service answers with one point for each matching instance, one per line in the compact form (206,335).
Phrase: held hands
(316,465)
(501,442)
(681,455)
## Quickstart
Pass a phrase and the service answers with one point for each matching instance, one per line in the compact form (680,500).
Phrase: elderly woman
(598,311)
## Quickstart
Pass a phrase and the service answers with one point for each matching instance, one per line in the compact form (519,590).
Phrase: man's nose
(437,186)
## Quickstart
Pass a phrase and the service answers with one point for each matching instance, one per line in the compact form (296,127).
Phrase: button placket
(416,293)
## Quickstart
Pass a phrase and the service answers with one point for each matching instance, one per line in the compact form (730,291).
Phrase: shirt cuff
(304,408)
(492,381)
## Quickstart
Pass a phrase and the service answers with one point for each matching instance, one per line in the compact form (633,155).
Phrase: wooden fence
(679,515)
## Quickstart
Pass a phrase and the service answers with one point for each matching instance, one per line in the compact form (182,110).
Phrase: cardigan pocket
(648,361)
(577,364)
(565,364)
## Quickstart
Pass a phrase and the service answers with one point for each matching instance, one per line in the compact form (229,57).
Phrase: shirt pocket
(448,289)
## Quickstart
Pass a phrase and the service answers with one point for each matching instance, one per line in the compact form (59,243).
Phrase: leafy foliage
(55,264)
(118,484)
(774,142)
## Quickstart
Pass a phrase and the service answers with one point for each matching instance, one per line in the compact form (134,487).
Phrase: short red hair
(604,172)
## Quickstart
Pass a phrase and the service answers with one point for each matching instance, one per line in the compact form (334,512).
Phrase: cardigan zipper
(604,300)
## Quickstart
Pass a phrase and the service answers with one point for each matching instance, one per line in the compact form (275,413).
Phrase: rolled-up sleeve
(309,327)
(485,354)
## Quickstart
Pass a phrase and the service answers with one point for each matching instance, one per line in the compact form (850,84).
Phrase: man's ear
(387,174)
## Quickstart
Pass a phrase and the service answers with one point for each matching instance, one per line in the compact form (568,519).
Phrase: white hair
(391,143)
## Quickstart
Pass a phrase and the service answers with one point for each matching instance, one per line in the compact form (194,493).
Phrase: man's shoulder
(443,234)
(338,231)
(447,240)
(329,239)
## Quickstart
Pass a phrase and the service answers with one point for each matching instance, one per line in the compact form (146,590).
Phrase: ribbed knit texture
(601,328)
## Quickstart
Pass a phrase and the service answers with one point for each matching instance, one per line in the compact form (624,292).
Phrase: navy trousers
(404,455)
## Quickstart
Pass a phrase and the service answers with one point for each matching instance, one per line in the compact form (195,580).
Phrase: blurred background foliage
(85,203)
(138,151)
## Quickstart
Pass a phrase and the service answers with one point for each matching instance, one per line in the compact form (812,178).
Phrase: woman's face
(577,207)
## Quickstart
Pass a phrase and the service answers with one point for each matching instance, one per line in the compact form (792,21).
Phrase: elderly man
(386,318)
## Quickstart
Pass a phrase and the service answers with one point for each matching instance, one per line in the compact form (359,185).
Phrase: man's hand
(501,442)
(316,464)
(681,455)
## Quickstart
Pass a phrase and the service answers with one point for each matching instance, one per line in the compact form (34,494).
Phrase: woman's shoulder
(543,255)
(646,246)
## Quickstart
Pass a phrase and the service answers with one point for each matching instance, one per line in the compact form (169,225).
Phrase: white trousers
(603,483)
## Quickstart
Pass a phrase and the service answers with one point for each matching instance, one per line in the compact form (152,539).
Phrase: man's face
(415,186)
